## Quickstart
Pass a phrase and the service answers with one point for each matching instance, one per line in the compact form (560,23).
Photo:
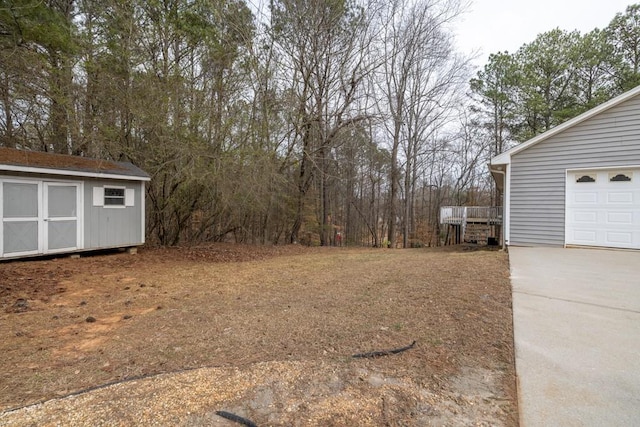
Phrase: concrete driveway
(576,319)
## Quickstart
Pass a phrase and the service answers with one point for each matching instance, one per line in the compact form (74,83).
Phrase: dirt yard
(174,335)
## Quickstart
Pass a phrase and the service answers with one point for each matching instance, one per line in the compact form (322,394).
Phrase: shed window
(113,196)
(621,177)
(586,178)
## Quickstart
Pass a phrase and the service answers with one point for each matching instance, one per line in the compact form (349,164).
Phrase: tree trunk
(60,81)
(394,182)
(7,140)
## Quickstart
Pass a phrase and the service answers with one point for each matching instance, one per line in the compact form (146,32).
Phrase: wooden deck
(460,220)
(471,224)
(471,214)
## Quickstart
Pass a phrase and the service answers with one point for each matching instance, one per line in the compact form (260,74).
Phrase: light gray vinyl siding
(538,173)
(106,227)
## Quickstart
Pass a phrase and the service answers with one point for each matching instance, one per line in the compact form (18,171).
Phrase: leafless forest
(321,122)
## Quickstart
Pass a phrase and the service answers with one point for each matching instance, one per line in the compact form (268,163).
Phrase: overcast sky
(491,26)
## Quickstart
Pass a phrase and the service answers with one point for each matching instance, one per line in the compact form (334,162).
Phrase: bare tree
(421,78)
(324,52)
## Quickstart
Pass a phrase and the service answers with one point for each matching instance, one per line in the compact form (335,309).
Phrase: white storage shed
(51,203)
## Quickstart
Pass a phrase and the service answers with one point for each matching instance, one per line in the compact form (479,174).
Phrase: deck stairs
(477,233)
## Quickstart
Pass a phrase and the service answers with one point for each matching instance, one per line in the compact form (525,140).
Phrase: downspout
(504,205)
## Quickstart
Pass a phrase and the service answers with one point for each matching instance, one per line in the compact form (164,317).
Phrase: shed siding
(111,227)
(537,214)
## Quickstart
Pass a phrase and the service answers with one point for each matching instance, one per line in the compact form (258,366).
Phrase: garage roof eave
(501,159)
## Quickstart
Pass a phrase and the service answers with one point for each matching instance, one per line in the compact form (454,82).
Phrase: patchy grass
(243,309)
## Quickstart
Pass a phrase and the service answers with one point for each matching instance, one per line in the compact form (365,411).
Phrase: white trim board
(62,172)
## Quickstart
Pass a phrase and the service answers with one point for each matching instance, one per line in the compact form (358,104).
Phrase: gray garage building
(578,183)
(51,203)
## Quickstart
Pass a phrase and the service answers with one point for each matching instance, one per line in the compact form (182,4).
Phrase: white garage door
(603,208)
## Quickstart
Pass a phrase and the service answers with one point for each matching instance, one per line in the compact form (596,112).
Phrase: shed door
(39,217)
(603,208)
(20,217)
(61,229)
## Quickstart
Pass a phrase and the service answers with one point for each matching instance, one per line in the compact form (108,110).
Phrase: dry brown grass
(170,310)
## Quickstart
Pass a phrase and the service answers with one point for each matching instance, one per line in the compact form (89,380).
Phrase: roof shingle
(79,165)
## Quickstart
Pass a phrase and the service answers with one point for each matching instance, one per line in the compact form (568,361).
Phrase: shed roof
(60,164)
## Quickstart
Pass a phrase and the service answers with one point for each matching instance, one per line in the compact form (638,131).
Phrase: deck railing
(464,214)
